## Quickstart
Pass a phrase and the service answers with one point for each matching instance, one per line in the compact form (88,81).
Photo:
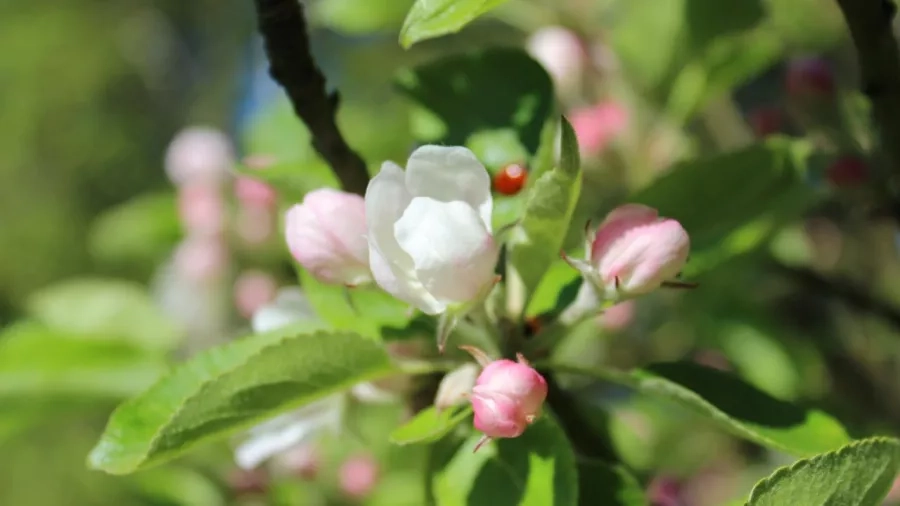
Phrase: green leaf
(733,404)
(495,93)
(38,361)
(731,203)
(230,388)
(742,408)
(429,425)
(178,486)
(142,230)
(98,308)
(859,474)
(432,18)
(366,310)
(535,469)
(538,240)
(361,16)
(600,483)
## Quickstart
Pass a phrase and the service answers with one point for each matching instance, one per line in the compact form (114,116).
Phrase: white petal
(449,174)
(283,432)
(368,392)
(453,253)
(290,306)
(393,268)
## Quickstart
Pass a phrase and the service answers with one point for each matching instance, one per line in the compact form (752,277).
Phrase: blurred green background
(800,303)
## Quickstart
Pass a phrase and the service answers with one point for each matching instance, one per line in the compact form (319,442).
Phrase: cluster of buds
(257,203)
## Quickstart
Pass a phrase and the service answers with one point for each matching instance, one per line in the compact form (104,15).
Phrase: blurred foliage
(94,91)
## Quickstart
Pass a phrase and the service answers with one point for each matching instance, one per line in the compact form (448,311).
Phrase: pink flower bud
(359,476)
(664,491)
(201,209)
(848,171)
(507,396)
(302,461)
(634,252)
(596,126)
(561,53)
(254,193)
(327,235)
(766,121)
(252,290)
(617,317)
(809,77)
(201,258)
(199,154)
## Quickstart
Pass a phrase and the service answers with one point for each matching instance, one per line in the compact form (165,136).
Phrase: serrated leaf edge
(766,483)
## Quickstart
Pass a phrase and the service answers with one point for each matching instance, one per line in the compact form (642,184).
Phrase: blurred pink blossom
(809,76)
(358,476)
(199,154)
(252,290)
(597,125)
(664,491)
(302,461)
(618,316)
(201,258)
(561,53)
(254,193)
(201,209)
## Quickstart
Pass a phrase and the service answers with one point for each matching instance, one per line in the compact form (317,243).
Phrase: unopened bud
(561,53)
(633,253)
(507,397)
(327,236)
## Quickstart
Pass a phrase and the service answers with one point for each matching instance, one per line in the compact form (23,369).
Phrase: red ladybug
(511,179)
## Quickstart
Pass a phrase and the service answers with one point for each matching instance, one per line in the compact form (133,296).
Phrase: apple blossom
(429,230)
(199,154)
(358,476)
(201,258)
(254,193)
(327,236)
(507,396)
(302,461)
(633,252)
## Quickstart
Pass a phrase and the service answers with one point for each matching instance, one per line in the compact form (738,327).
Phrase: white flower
(429,229)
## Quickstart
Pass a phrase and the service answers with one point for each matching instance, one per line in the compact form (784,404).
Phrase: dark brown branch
(870,23)
(283,27)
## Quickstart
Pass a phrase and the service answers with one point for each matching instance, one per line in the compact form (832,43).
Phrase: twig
(283,27)
(842,289)
(870,23)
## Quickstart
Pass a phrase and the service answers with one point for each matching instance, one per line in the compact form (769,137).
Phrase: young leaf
(535,469)
(104,309)
(142,230)
(432,18)
(548,213)
(429,425)
(232,387)
(494,93)
(859,474)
